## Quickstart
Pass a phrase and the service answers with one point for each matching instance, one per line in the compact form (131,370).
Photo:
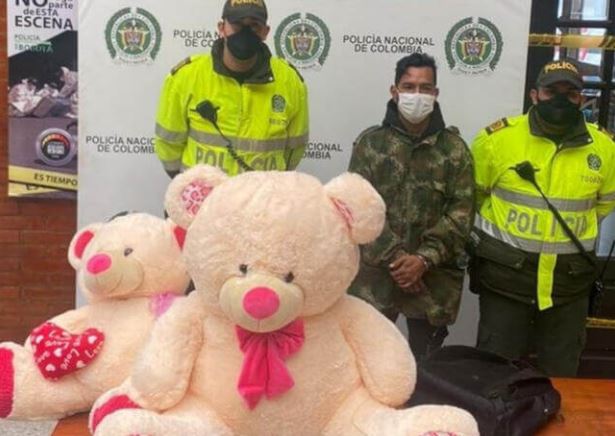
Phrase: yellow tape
(47,179)
(22,190)
(601,323)
(603,42)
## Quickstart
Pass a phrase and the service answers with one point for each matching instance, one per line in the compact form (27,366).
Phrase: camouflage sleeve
(446,240)
(388,244)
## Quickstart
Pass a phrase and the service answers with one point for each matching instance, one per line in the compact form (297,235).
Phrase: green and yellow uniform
(264,114)
(525,261)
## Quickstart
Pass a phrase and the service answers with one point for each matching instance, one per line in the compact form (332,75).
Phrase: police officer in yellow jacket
(237,108)
(532,280)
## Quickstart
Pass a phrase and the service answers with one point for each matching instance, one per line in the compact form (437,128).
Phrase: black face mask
(244,44)
(558,110)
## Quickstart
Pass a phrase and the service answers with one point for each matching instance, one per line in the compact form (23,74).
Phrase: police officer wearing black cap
(238,108)
(532,278)
(244,28)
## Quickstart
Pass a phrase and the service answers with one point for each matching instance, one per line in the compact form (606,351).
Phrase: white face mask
(415,107)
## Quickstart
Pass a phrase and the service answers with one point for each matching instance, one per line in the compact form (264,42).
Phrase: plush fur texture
(286,233)
(130,269)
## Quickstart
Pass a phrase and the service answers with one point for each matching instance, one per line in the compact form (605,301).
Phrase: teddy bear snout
(112,273)
(99,263)
(261,302)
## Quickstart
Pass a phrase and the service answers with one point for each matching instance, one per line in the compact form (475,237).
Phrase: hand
(407,269)
(416,288)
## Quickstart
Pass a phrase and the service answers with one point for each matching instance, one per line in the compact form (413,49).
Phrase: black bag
(507,398)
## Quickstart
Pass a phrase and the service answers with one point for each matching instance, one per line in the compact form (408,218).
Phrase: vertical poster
(42,98)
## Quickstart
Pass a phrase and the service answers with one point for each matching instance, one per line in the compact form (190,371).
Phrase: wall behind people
(344,49)
(36,281)
(607,235)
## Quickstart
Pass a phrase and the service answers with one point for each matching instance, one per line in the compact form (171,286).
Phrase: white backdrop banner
(345,49)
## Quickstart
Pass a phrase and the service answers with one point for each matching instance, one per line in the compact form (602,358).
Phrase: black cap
(560,71)
(235,10)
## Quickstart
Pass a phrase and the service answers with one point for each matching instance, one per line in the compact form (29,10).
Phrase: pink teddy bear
(130,270)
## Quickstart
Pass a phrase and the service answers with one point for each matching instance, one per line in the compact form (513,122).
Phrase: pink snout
(261,302)
(98,264)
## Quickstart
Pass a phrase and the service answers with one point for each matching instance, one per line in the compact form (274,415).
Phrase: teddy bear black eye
(127,251)
(288,278)
(243,268)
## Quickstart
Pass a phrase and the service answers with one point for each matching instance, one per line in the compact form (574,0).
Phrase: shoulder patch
(498,125)
(605,131)
(180,65)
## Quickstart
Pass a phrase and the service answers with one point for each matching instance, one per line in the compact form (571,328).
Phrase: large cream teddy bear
(130,270)
(270,343)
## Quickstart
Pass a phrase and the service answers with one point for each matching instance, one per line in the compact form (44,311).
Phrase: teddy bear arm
(162,371)
(73,321)
(384,360)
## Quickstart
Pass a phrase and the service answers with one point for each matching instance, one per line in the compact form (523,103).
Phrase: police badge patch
(278,103)
(303,41)
(594,162)
(473,46)
(133,36)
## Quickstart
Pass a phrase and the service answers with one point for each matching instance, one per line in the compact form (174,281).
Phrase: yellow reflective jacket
(265,117)
(577,175)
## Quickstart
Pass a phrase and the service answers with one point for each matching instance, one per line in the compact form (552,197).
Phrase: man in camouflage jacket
(423,171)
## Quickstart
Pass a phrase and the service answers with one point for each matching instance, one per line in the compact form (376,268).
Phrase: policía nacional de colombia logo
(278,103)
(473,45)
(133,36)
(304,41)
(55,147)
(594,162)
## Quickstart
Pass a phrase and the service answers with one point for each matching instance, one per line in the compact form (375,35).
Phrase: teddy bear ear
(80,242)
(188,191)
(179,233)
(359,205)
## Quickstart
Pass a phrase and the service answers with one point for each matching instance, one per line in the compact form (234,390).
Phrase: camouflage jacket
(428,187)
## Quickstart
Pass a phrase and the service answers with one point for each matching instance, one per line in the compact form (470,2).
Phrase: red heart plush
(58,352)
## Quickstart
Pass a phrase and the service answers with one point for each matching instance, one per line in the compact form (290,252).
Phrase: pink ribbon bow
(263,371)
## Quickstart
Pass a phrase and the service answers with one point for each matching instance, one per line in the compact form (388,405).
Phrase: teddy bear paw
(7,376)
(113,404)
